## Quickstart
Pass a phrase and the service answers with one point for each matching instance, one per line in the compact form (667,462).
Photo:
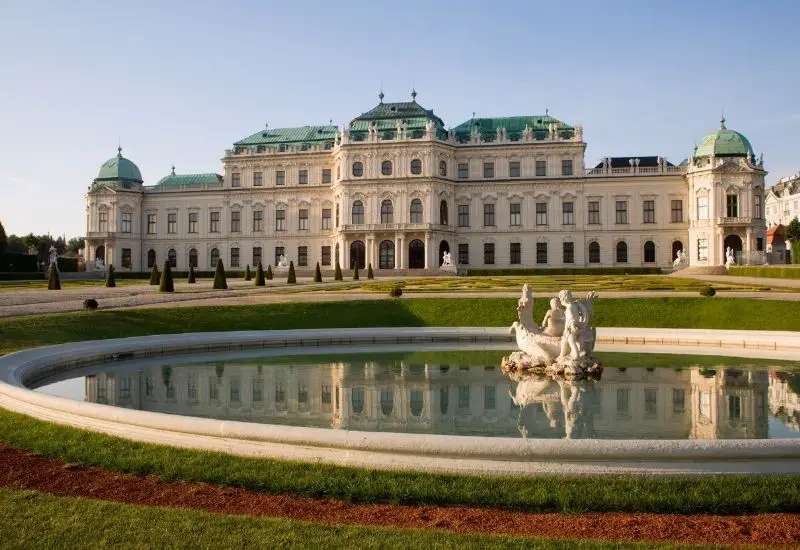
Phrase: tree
(337,274)
(260,275)
(191,280)
(110,281)
(247,276)
(291,279)
(3,240)
(793,230)
(355,272)
(16,245)
(155,276)
(370,273)
(269,272)
(75,244)
(317,274)
(220,283)
(167,285)
(53,280)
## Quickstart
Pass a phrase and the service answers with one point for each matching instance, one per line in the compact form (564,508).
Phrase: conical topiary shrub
(370,273)
(317,274)
(247,276)
(53,280)
(110,280)
(291,279)
(167,284)
(260,275)
(269,273)
(155,276)
(191,280)
(220,283)
(355,272)
(337,274)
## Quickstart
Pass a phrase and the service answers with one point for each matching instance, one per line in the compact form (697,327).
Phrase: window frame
(515,253)
(568,252)
(514,169)
(649,211)
(463,215)
(541,214)
(280,219)
(488,215)
(488,170)
(515,218)
(621,212)
(568,214)
(541,168)
(416,167)
(302,220)
(541,253)
(194,219)
(488,254)
(213,221)
(387,167)
(676,214)
(172,223)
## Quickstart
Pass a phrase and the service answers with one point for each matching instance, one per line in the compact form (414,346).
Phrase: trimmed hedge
(155,276)
(774,272)
(220,282)
(33,276)
(796,252)
(566,271)
(53,281)
(110,280)
(68,265)
(19,263)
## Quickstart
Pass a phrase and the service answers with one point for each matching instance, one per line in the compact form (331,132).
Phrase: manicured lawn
(715,313)
(67,283)
(704,494)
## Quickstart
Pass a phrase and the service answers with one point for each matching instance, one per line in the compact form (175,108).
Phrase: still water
(463,393)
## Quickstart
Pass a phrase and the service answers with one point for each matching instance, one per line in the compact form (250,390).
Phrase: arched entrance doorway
(416,254)
(100,253)
(386,255)
(443,247)
(734,242)
(677,246)
(358,252)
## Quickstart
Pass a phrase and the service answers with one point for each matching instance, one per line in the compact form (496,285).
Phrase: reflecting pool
(639,396)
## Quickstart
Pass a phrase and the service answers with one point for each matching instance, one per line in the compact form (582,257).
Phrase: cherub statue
(729,257)
(446,259)
(282,261)
(554,319)
(578,338)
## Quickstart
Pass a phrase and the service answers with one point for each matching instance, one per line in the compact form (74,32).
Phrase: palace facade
(395,189)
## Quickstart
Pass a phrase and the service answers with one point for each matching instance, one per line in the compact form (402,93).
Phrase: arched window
(622,252)
(193,257)
(442,168)
(214,258)
(416,166)
(358,213)
(443,212)
(594,253)
(357,400)
(416,402)
(386,168)
(416,211)
(151,258)
(649,252)
(387,212)
(386,255)
(358,254)
(387,401)
(358,169)
(172,256)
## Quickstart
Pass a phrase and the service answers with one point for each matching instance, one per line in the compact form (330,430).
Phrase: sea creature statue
(282,263)
(729,257)
(680,260)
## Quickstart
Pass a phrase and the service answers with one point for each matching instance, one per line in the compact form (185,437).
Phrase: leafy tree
(16,245)
(337,274)
(110,281)
(317,274)
(793,230)
(53,280)
(291,279)
(355,272)
(75,244)
(269,272)
(191,280)
(167,285)
(155,276)
(220,283)
(260,275)
(247,276)
(370,273)
(3,240)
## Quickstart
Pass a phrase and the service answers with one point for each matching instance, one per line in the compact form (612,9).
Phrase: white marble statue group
(563,344)
(730,258)
(283,263)
(446,259)
(680,260)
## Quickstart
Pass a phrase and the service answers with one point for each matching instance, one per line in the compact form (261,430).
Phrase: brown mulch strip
(22,470)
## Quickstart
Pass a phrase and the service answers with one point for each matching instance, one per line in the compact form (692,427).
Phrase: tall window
(463,254)
(302,177)
(172,222)
(622,252)
(151,224)
(568,213)
(416,211)
(416,166)
(594,253)
(541,253)
(280,220)
(702,249)
(650,252)
(326,218)
(443,213)
(515,253)
(235,256)
(172,257)
(488,253)
(386,168)
(213,257)
(236,221)
(358,169)
(386,255)
(213,222)
(568,252)
(649,211)
(488,215)
(541,213)
(236,179)
(280,177)
(151,258)
(102,221)
(513,169)
(463,215)
(192,257)
(463,170)
(677,211)
(279,251)
(303,220)
(326,175)
(702,208)
(541,167)
(566,167)
(126,222)
(515,214)
(622,212)
(257,256)
(387,212)
(258,179)
(757,208)
(193,217)
(302,256)
(126,258)
(732,205)
(594,212)
(488,169)
(258,220)
(326,255)
(337,215)
(358,213)
(442,168)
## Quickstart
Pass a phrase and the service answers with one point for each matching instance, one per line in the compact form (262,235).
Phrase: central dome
(119,168)
(724,143)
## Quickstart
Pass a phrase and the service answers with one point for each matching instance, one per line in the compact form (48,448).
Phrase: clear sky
(180,81)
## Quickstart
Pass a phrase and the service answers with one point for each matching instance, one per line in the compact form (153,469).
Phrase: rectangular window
(513,169)
(515,214)
(258,390)
(568,253)
(326,218)
(541,167)
(235,257)
(488,215)
(594,212)
(731,206)
(649,211)
(566,167)
(568,213)
(463,171)
(213,222)
(235,393)
(126,258)
(302,177)
(734,407)
(650,401)
(624,401)
(193,216)
(126,222)
(102,221)
(678,401)
(257,258)
(488,253)
(279,251)
(702,208)
(151,224)
(515,253)
(258,179)
(326,175)
(463,396)
(258,220)
(759,244)
(702,249)
(541,213)
(280,220)
(302,256)
(280,177)
(489,397)
(326,394)
(463,254)
(236,221)
(488,169)
(303,219)
(677,211)
(622,212)
(213,388)
(541,253)
(757,209)
(236,179)
(326,255)
(463,215)
(172,222)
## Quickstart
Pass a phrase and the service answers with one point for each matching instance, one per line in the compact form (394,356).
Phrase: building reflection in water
(396,396)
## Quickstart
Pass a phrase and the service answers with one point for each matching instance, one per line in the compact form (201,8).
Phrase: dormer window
(358,169)
(386,168)
(416,166)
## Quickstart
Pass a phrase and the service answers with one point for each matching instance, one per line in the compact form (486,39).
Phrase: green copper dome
(119,168)
(724,143)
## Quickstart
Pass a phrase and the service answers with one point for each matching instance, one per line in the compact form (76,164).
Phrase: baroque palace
(394,188)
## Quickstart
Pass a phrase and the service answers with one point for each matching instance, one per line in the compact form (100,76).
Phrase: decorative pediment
(489,197)
(731,166)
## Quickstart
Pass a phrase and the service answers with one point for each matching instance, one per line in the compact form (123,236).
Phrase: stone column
(428,251)
(398,252)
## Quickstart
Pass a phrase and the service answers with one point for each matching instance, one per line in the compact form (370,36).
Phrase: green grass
(33,520)
(67,283)
(775,272)
(713,313)
(704,494)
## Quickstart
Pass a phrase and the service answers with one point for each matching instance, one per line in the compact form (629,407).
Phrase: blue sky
(179,81)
